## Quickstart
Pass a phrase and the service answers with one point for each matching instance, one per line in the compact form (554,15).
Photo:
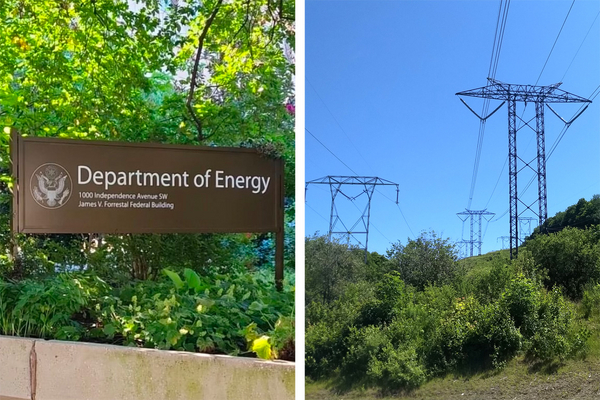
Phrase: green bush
(427,260)
(591,300)
(327,327)
(475,336)
(571,257)
(215,314)
(396,368)
(54,308)
(330,266)
(555,336)
(363,345)
(391,295)
(521,300)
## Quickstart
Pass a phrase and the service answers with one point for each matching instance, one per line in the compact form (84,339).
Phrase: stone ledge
(84,371)
(14,368)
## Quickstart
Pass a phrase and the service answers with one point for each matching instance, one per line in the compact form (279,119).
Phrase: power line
(372,224)
(401,213)
(339,159)
(583,41)
(346,165)
(319,214)
(339,125)
(494,60)
(564,128)
(556,40)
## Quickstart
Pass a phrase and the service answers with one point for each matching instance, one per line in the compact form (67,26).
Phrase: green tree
(427,260)
(213,73)
(330,267)
(580,215)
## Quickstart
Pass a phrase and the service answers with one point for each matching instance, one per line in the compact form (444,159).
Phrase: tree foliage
(120,70)
(580,215)
(427,260)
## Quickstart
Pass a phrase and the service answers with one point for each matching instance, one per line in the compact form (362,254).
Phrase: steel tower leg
(541,159)
(479,242)
(369,196)
(333,215)
(512,176)
(472,241)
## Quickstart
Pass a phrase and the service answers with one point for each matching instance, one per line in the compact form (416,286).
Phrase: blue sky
(381,78)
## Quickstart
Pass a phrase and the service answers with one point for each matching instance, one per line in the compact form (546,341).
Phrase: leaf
(109,330)
(256,306)
(192,279)
(262,348)
(174,277)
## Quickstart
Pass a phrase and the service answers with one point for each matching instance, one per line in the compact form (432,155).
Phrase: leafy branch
(209,21)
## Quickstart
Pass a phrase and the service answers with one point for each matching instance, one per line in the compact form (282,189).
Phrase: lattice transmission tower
(540,96)
(352,188)
(525,227)
(504,239)
(480,214)
(463,248)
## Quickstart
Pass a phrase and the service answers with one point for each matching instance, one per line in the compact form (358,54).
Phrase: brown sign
(74,186)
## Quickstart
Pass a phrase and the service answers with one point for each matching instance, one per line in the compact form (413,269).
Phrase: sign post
(76,186)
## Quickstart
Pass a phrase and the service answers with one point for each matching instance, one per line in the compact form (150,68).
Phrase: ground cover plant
(418,314)
(213,314)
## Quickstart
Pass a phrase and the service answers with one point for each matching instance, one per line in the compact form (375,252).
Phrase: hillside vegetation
(409,320)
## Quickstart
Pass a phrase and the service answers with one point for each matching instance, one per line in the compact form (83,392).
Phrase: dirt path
(576,380)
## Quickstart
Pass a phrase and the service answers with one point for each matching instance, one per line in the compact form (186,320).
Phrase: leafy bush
(391,295)
(591,300)
(427,260)
(328,326)
(431,315)
(51,309)
(397,368)
(363,345)
(330,266)
(521,300)
(571,257)
(476,336)
(215,314)
(555,336)
(208,314)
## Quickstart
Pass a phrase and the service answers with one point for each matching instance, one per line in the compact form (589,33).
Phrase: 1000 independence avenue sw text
(124,200)
(221,180)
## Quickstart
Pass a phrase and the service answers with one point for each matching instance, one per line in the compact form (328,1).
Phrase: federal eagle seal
(51,186)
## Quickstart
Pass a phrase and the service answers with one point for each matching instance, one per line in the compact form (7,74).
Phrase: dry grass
(576,379)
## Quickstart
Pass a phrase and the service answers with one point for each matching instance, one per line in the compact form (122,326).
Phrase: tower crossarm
(352,180)
(497,90)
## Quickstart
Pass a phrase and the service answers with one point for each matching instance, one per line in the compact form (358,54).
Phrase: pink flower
(290,108)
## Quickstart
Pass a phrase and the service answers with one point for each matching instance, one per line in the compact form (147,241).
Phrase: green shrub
(330,267)
(391,295)
(363,345)
(396,368)
(571,257)
(521,299)
(489,285)
(327,327)
(475,336)
(591,300)
(211,314)
(208,314)
(555,336)
(53,308)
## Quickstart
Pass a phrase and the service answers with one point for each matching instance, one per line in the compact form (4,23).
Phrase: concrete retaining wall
(32,369)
